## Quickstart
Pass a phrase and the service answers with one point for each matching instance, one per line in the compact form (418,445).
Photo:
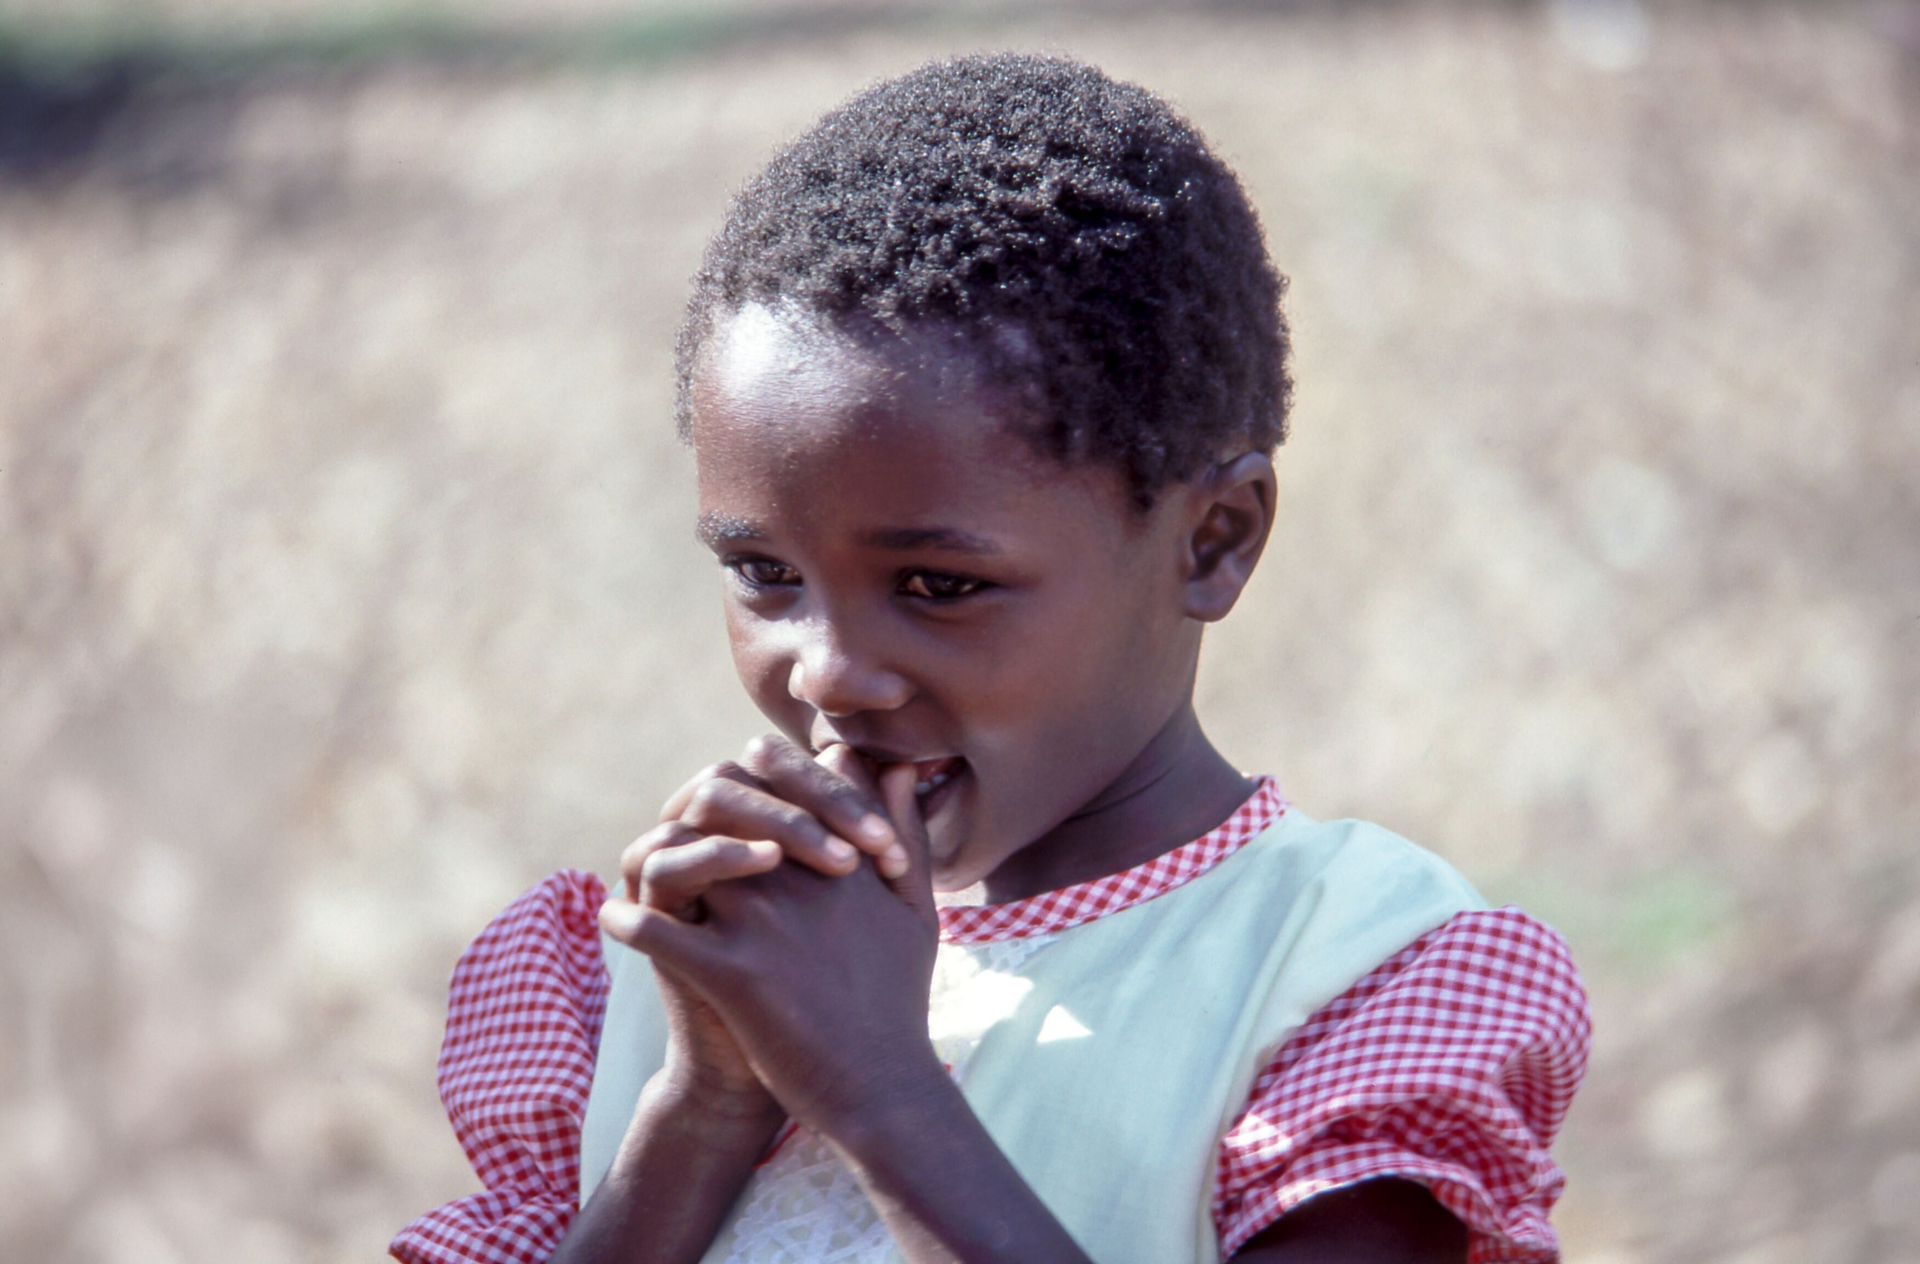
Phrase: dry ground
(346,584)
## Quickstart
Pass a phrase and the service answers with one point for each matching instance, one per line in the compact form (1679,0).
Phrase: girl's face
(907,575)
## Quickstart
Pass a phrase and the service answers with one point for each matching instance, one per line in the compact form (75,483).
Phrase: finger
(726,769)
(674,878)
(915,886)
(687,950)
(843,805)
(840,758)
(670,834)
(727,807)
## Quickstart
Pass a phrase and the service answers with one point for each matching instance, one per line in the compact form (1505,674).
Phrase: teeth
(932,783)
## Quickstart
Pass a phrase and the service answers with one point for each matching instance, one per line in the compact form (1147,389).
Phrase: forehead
(799,421)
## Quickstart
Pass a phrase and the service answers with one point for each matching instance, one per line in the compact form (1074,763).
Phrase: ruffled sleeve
(523,1023)
(1452,1064)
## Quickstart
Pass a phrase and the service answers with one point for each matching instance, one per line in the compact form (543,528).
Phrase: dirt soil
(347,583)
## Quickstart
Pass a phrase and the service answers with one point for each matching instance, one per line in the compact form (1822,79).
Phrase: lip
(877,757)
(934,775)
(931,774)
(940,790)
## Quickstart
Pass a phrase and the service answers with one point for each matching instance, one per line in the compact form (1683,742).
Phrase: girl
(982,377)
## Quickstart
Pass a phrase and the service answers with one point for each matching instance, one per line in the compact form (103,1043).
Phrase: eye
(939,585)
(762,572)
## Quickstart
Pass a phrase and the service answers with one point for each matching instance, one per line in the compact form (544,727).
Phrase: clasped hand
(787,905)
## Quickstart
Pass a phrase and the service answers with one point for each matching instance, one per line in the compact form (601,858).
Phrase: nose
(838,677)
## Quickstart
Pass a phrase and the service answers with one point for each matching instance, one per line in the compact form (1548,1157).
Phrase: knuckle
(647,844)
(831,778)
(771,754)
(666,838)
(825,790)
(848,803)
(648,931)
(621,934)
(706,800)
(794,819)
(656,868)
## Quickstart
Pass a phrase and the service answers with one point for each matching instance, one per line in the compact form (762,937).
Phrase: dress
(1449,1057)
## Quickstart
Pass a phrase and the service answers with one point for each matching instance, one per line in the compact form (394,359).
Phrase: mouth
(929,775)
(935,782)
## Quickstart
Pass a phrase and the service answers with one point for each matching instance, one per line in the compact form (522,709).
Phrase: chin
(954,868)
(950,869)
(964,867)
(942,885)
(964,844)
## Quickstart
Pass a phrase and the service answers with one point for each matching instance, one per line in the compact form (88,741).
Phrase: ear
(1230,513)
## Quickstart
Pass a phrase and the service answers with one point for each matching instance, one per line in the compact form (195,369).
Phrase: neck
(1175,790)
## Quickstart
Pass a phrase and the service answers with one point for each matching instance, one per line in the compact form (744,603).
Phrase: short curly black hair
(1073,230)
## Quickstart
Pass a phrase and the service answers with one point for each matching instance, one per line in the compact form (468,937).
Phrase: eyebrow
(946,539)
(716,529)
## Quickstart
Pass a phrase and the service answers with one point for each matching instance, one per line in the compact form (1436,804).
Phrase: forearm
(1382,1221)
(943,1186)
(682,1163)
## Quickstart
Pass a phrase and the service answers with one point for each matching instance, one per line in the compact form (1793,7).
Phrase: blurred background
(347,584)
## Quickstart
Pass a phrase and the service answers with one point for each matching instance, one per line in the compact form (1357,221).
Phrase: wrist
(684,1090)
(893,1107)
(687,1153)
(939,1180)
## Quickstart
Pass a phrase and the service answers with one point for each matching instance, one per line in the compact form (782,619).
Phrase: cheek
(1076,676)
(1113,670)
(759,662)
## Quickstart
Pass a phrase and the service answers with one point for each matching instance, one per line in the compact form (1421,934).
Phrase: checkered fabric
(1057,910)
(516,1064)
(1452,1064)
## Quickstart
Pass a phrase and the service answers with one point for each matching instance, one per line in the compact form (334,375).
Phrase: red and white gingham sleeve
(523,1023)
(1452,1064)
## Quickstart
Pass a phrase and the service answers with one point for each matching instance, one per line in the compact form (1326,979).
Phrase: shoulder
(1452,1063)
(1363,858)
(1486,984)
(1328,901)
(1500,956)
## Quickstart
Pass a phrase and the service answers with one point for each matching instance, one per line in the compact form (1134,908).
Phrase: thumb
(915,886)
